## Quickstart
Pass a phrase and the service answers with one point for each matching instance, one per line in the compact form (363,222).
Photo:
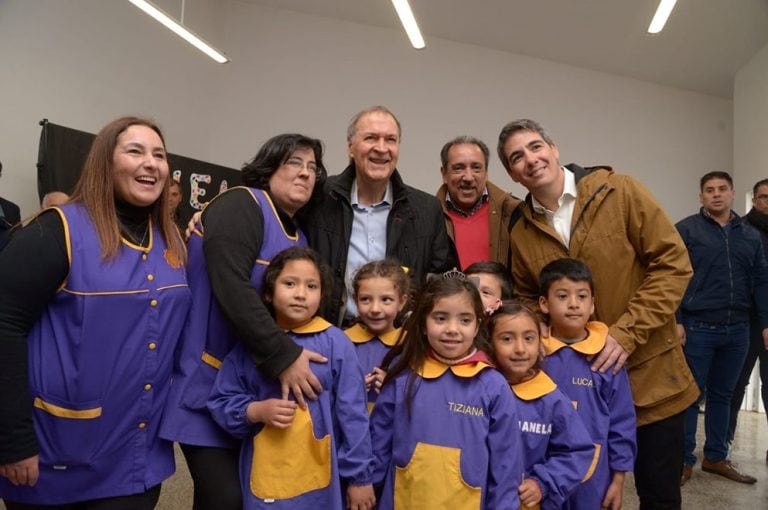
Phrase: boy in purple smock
(603,400)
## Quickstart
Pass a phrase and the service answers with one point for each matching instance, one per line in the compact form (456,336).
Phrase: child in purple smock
(445,426)
(381,292)
(603,400)
(558,450)
(295,458)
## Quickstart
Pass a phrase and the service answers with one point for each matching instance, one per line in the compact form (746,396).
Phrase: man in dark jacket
(368,213)
(757,217)
(728,266)
(10,215)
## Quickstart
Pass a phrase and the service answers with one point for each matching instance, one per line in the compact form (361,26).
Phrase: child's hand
(378,376)
(275,412)
(615,492)
(530,493)
(368,381)
(360,497)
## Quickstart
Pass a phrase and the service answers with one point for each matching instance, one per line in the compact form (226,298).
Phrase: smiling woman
(92,304)
(140,166)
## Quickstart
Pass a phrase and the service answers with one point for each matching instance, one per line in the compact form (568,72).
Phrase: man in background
(477,213)
(713,320)
(54,198)
(174,200)
(757,217)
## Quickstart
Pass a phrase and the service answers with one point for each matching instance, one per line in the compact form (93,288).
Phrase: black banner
(63,150)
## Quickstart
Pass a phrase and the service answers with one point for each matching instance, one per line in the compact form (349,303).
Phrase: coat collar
(735,218)
(341,184)
(496,195)
(589,187)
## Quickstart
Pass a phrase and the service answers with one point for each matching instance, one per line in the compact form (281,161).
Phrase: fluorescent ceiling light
(660,18)
(180,30)
(409,23)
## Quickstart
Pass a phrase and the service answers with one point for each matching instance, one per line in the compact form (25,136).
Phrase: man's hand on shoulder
(613,356)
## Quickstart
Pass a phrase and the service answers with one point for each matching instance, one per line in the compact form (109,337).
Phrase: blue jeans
(715,355)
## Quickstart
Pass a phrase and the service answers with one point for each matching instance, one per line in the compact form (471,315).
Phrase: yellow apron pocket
(432,480)
(290,462)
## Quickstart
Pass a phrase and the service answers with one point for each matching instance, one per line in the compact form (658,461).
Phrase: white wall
(83,62)
(750,113)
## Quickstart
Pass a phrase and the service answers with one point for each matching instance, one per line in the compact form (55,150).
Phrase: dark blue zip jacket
(729,267)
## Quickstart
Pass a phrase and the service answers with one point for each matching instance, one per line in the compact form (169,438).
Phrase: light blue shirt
(368,241)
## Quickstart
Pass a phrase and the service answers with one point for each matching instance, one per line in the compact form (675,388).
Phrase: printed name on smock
(583,381)
(535,428)
(455,407)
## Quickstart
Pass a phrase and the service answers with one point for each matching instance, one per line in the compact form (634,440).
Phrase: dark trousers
(215,477)
(144,501)
(659,463)
(756,351)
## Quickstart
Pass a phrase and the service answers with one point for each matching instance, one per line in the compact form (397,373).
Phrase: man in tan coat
(477,212)
(641,268)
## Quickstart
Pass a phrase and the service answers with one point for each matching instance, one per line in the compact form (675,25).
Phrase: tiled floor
(703,492)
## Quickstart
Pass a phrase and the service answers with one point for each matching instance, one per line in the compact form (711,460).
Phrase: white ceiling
(702,47)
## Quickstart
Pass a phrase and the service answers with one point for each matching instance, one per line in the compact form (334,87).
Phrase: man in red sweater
(477,213)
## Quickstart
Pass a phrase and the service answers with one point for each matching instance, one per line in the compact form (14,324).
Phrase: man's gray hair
(352,128)
(512,128)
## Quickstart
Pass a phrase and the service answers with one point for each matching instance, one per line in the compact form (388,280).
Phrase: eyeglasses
(298,164)
(761,197)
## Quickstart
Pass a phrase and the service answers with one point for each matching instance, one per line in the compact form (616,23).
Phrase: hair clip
(454,273)
(491,309)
